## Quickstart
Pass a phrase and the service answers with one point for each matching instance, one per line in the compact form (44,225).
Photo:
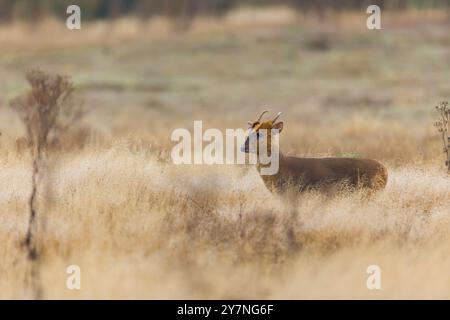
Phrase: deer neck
(274,181)
(277,155)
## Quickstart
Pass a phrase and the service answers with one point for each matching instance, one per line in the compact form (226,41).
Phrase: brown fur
(320,173)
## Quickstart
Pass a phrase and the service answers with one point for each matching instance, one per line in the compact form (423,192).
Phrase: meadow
(140,227)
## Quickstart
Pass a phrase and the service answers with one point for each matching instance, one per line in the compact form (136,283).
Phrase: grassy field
(141,227)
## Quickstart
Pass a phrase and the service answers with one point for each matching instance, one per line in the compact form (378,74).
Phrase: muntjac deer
(312,173)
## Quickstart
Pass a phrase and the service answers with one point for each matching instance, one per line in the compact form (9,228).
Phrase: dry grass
(22,35)
(140,227)
(144,229)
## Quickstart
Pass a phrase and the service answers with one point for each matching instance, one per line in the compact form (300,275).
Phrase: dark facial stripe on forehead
(256,123)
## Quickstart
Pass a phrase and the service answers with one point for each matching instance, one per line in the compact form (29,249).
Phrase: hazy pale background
(140,227)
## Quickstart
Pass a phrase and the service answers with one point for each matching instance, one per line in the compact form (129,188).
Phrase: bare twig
(39,110)
(443,127)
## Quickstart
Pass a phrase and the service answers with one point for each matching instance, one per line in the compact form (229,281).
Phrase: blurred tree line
(97,9)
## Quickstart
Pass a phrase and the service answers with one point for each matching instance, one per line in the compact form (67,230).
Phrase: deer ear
(278,126)
(250,124)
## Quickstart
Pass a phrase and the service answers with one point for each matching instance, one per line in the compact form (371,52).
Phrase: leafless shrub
(53,128)
(443,127)
(41,110)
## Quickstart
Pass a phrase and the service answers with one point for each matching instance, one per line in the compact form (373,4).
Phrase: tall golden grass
(141,227)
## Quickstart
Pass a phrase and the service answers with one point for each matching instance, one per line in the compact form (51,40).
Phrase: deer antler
(278,115)
(263,113)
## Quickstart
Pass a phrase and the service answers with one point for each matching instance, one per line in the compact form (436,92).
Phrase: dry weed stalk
(39,109)
(443,127)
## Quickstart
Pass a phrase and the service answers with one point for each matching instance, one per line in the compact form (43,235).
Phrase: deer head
(260,134)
